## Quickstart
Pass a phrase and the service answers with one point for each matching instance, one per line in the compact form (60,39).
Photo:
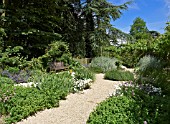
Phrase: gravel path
(77,107)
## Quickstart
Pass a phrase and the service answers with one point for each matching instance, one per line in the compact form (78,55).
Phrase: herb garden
(34,36)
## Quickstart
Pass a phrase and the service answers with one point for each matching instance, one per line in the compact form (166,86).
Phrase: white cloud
(167,2)
(133,5)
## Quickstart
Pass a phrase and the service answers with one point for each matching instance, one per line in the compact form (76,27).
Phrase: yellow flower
(71,71)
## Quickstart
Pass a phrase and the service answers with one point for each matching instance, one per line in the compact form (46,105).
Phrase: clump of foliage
(103,63)
(6,80)
(57,51)
(11,57)
(139,30)
(21,102)
(83,78)
(17,75)
(83,73)
(135,106)
(119,75)
(148,63)
(150,71)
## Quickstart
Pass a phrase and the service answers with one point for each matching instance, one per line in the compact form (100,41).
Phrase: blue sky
(154,12)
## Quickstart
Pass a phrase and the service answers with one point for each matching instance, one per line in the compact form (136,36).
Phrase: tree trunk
(89,29)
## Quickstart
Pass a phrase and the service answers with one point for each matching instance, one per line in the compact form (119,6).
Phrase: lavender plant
(104,63)
(18,76)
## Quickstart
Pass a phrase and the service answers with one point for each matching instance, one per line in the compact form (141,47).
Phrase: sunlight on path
(77,107)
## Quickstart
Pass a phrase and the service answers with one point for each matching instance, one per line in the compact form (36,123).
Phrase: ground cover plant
(34,37)
(18,101)
(119,75)
(133,105)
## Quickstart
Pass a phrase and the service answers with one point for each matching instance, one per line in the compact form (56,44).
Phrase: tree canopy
(139,29)
(82,24)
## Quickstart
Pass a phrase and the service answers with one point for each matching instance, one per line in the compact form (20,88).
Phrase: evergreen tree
(34,24)
(139,29)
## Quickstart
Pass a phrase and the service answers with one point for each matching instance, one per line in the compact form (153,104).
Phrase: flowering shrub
(83,73)
(26,101)
(42,90)
(20,76)
(82,78)
(133,105)
(150,71)
(82,84)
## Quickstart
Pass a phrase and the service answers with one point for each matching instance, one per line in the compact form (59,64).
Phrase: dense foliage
(35,24)
(150,71)
(18,101)
(119,75)
(135,106)
(36,34)
(139,30)
(103,64)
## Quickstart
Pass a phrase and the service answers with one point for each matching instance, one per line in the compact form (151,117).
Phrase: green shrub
(20,102)
(103,63)
(119,75)
(148,64)
(6,80)
(96,69)
(83,73)
(57,51)
(150,71)
(11,57)
(134,107)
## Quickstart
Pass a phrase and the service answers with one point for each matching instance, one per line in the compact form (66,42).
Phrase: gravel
(77,107)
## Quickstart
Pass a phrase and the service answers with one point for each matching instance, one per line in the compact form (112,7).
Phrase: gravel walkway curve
(77,107)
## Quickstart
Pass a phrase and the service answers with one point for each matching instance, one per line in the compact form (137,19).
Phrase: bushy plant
(20,102)
(6,80)
(119,75)
(57,51)
(83,78)
(83,73)
(104,63)
(18,76)
(148,64)
(150,71)
(134,107)
(11,57)
(5,95)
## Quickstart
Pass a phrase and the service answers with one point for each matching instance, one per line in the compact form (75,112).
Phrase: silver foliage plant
(104,63)
(148,63)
